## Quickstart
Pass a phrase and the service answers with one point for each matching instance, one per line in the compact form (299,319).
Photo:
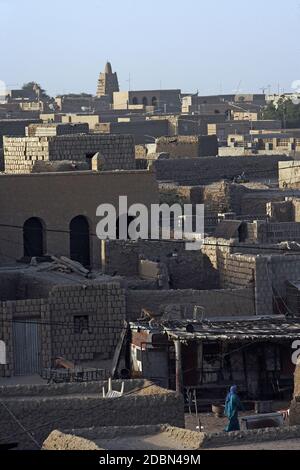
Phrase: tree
(286,111)
(33,86)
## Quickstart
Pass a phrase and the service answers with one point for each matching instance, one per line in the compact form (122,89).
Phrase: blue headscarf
(233,391)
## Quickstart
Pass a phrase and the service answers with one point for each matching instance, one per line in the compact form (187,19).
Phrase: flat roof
(52,174)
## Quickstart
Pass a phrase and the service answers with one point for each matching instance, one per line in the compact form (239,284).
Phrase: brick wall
(18,286)
(216,303)
(187,270)
(188,146)
(237,267)
(207,170)
(54,129)
(233,270)
(278,232)
(270,273)
(103,305)
(236,270)
(140,130)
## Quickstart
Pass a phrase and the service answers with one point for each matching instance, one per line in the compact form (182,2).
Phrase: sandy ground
(292,444)
(212,424)
(159,441)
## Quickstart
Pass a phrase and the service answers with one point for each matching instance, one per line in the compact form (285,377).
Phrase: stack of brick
(20,154)
(114,152)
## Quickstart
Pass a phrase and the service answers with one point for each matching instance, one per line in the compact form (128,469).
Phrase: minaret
(107,83)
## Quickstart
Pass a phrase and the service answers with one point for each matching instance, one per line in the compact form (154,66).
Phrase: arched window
(145,101)
(135,100)
(33,237)
(80,240)
(154,101)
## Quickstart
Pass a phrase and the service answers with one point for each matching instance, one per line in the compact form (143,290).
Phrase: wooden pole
(179,378)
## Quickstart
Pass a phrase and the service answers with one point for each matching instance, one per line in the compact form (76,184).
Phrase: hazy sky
(211,46)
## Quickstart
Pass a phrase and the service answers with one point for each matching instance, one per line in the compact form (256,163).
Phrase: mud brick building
(107,83)
(59,216)
(165,101)
(115,151)
(44,317)
(209,355)
(188,146)
(268,268)
(54,129)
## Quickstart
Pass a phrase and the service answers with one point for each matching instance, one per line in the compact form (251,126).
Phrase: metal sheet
(155,366)
(26,347)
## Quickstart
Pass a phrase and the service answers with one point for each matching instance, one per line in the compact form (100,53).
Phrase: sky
(215,46)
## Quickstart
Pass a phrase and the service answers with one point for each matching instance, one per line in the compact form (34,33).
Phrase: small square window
(81,324)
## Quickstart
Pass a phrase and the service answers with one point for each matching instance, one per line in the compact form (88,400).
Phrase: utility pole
(129,82)
(178,360)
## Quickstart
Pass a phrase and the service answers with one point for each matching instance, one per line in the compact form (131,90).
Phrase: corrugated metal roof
(228,329)
(235,330)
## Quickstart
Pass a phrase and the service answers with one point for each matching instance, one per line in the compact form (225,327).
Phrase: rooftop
(252,328)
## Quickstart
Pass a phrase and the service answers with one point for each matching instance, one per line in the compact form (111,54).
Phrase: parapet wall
(208,170)
(216,303)
(44,409)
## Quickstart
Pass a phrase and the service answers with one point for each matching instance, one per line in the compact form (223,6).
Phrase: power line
(20,424)
(240,246)
(133,392)
(75,412)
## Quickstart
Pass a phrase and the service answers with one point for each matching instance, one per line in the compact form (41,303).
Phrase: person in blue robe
(232,407)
